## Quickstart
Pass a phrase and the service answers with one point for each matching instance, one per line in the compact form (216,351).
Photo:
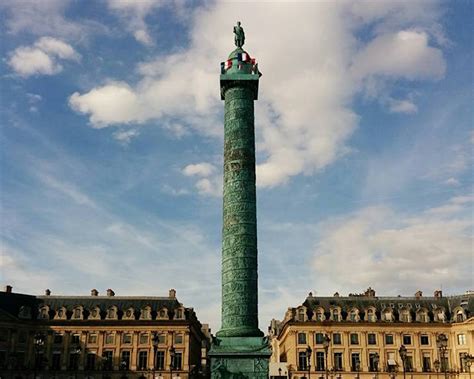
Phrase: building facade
(364,336)
(100,337)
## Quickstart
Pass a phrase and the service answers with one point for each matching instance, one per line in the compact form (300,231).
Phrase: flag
(243,57)
(226,65)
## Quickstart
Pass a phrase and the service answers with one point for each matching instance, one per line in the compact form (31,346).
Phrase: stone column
(239,350)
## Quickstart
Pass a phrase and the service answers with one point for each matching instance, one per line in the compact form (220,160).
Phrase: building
(365,336)
(100,336)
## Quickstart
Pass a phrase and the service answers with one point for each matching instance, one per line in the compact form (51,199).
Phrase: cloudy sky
(111,147)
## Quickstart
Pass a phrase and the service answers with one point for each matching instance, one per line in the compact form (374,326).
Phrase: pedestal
(240,358)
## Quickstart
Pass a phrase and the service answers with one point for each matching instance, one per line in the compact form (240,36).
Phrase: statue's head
(238,23)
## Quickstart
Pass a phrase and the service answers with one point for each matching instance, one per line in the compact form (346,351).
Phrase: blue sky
(111,147)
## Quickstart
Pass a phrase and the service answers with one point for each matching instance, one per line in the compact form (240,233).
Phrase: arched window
(460,316)
(94,313)
(44,313)
(61,314)
(422,315)
(163,314)
(301,314)
(354,315)
(77,313)
(112,313)
(320,314)
(388,314)
(129,314)
(405,315)
(145,313)
(336,314)
(371,316)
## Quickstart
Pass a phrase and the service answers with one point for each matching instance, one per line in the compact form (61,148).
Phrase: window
(178,339)
(75,339)
(389,339)
(338,361)
(56,361)
(301,338)
(129,314)
(161,338)
(3,359)
(355,362)
(301,315)
(353,316)
(73,361)
(461,339)
(424,340)
(107,359)
(426,363)
(160,360)
(125,360)
(162,313)
(371,315)
(444,364)
(142,360)
(92,339)
(404,317)
(127,338)
(90,361)
(388,315)
(111,313)
(406,339)
(354,339)
(58,339)
(459,317)
(319,338)
(77,313)
(178,360)
(22,337)
(371,339)
(373,362)
(320,316)
(409,363)
(336,339)
(335,315)
(143,339)
(302,361)
(319,361)
(422,317)
(179,314)
(109,338)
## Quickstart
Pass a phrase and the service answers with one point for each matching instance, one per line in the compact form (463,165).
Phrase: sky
(112,141)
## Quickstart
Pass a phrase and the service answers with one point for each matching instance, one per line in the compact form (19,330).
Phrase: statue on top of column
(239,35)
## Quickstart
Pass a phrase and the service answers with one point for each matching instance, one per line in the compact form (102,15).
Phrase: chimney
(8,289)
(110,292)
(172,293)
(438,294)
(47,292)
(418,294)
(94,292)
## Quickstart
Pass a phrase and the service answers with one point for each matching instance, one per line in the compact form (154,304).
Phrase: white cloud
(388,249)
(42,57)
(199,169)
(453,182)
(404,54)
(126,136)
(402,106)
(304,116)
(210,182)
(133,14)
(46,17)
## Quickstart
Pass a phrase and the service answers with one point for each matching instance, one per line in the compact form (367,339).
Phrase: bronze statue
(239,35)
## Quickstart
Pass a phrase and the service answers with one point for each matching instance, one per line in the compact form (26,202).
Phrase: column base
(240,358)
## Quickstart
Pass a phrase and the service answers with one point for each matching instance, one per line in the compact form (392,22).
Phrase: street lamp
(403,355)
(279,372)
(155,340)
(172,356)
(326,342)
(308,357)
(357,368)
(442,344)
(38,341)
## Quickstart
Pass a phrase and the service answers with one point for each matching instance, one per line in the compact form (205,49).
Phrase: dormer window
(145,313)
(112,313)
(129,314)
(388,315)
(405,316)
(163,314)
(371,317)
(44,313)
(354,315)
(77,313)
(460,316)
(61,314)
(94,314)
(335,315)
(301,315)
(179,314)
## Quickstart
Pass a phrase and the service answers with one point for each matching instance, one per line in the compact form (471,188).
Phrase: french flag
(226,65)
(243,57)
